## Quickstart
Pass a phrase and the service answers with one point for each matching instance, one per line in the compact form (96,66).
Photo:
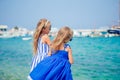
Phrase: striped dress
(42,52)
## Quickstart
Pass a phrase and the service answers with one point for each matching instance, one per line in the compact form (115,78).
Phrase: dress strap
(66,45)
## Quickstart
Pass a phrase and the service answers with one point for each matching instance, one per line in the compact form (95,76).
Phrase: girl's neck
(61,47)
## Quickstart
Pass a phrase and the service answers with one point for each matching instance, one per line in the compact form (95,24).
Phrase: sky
(77,14)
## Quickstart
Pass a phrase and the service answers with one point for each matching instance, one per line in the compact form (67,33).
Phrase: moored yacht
(114,30)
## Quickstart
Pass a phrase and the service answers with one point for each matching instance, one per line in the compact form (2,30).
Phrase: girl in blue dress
(41,42)
(57,65)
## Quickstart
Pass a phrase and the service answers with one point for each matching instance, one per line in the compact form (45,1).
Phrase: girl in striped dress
(41,42)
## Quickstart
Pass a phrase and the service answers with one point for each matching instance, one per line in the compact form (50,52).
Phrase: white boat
(114,30)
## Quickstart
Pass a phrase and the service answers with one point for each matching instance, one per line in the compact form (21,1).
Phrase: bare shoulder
(46,39)
(45,36)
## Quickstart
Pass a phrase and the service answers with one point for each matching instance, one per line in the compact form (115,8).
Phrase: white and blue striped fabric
(42,52)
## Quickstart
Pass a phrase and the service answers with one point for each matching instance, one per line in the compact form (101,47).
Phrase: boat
(114,30)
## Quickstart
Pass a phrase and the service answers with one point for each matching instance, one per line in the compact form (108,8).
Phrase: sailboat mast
(119,14)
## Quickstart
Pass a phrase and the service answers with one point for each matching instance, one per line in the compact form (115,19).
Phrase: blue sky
(77,14)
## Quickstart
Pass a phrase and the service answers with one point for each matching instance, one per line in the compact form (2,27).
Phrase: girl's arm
(70,55)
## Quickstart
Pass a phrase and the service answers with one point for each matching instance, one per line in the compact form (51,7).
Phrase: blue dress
(42,52)
(55,67)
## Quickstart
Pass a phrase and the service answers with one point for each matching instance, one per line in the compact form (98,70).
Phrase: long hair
(43,23)
(63,36)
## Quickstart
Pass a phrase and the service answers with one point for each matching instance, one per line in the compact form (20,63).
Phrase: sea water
(94,58)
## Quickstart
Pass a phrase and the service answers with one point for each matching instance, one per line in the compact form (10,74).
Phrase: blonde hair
(43,23)
(63,36)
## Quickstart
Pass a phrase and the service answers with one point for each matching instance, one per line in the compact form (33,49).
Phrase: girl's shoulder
(45,38)
(67,46)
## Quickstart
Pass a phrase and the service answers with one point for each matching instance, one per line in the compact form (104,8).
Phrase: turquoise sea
(94,58)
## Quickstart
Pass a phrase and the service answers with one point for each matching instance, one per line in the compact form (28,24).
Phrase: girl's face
(47,29)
